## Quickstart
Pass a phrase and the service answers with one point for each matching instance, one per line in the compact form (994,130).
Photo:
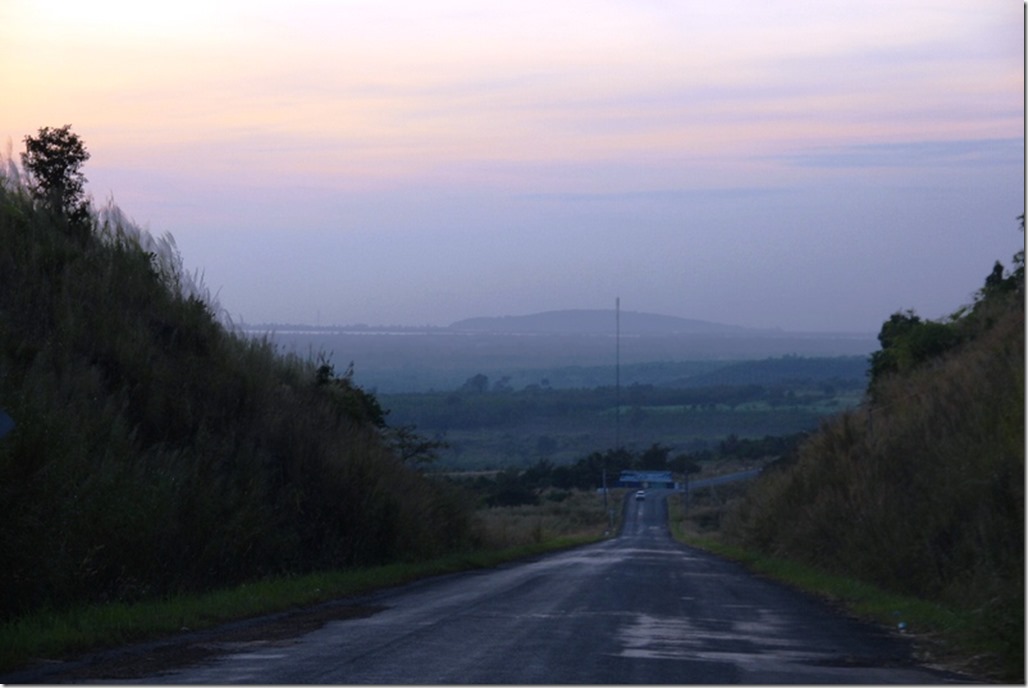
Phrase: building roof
(646,476)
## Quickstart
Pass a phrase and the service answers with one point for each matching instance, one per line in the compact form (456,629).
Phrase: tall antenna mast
(617,409)
(617,372)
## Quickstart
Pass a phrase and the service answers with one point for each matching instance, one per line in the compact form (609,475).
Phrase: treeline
(485,425)
(479,403)
(544,479)
(153,449)
(921,489)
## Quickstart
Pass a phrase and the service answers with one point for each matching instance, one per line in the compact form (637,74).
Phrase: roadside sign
(6,423)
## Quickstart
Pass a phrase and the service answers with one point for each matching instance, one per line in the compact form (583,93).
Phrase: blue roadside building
(647,479)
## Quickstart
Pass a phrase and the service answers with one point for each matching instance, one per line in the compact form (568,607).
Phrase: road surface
(635,609)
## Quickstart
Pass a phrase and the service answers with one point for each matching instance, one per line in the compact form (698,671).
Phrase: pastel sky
(803,164)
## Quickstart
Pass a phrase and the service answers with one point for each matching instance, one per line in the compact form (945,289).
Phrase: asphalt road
(637,609)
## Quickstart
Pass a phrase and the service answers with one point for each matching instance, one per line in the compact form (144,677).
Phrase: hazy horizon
(813,167)
(611,312)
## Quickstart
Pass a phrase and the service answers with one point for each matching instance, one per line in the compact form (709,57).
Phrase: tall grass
(156,451)
(920,492)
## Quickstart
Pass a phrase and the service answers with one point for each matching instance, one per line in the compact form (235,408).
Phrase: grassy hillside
(156,451)
(921,490)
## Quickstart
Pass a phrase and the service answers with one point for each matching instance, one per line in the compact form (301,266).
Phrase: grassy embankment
(507,534)
(909,510)
(55,634)
(159,459)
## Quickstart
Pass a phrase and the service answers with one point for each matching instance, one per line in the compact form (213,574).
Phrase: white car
(641,494)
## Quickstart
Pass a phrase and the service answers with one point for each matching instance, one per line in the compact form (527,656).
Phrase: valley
(652,350)
(499,393)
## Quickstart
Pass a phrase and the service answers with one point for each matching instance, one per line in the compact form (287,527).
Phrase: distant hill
(598,322)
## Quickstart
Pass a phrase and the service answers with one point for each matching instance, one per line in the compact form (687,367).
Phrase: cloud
(723,194)
(962,153)
(430,161)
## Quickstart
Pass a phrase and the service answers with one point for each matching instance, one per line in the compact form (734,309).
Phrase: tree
(360,405)
(908,341)
(53,160)
(476,384)
(412,447)
(655,458)
(683,463)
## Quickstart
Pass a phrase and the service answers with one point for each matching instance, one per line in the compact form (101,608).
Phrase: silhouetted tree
(683,463)
(53,159)
(477,384)
(655,458)
(356,402)
(412,447)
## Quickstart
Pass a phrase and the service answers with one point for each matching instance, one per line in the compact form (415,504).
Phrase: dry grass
(580,514)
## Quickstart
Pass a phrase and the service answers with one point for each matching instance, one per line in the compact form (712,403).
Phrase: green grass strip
(945,635)
(56,634)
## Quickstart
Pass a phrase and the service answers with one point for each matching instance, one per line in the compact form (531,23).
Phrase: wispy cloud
(963,153)
(492,140)
(722,194)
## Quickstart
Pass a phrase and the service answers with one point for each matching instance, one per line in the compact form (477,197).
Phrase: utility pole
(617,373)
(617,407)
(606,503)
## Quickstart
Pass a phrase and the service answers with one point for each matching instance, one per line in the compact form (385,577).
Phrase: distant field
(506,400)
(489,427)
(522,444)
